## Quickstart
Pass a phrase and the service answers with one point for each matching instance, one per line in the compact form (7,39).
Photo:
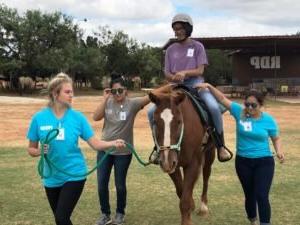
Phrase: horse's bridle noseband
(171,147)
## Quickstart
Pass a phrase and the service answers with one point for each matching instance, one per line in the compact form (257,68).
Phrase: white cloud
(112,9)
(271,12)
(237,27)
(149,20)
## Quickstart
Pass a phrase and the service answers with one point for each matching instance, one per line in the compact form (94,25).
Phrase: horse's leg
(178,181)
(208,161)
(191,174)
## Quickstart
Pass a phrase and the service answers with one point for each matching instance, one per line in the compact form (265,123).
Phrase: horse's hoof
(203,211)
(193,207)
(203,214)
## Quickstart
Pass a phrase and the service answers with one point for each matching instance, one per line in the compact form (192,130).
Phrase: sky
(149,21)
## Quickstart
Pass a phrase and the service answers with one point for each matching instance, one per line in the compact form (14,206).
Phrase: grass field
(151,195)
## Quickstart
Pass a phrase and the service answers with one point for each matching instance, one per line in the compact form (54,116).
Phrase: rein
(45,160)
(171,147)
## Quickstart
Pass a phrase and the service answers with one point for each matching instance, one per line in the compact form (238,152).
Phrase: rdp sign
(265,62)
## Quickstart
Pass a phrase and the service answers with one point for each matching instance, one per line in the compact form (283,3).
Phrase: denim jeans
(121,164)
(256,175)
(213,108)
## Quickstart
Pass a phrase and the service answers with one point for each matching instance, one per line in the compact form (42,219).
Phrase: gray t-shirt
(119,120)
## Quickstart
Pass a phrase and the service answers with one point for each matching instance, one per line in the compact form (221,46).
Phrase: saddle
(199,105)
(204,114)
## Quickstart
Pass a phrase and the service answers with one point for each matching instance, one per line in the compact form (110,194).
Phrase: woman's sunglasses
(118,91)
(252,105)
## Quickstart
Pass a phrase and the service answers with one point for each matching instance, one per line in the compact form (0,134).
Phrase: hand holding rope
(44,160)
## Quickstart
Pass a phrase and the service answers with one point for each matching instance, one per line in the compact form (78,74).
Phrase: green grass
(151,194)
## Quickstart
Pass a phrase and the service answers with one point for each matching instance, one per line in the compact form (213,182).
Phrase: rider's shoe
(224,154)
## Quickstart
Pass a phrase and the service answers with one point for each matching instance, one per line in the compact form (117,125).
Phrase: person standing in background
(119,112)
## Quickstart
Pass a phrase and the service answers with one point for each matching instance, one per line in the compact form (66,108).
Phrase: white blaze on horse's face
(167,117)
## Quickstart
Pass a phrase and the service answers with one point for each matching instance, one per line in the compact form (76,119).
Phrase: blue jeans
(256,175)
(212,106)
(121,164)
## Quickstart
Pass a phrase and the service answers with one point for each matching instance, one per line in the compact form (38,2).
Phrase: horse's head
(168,128)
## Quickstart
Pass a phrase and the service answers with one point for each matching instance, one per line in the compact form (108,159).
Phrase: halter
(171,147)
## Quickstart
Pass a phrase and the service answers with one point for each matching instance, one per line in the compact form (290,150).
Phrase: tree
(10,61)
(219,69)
(48,42)
(41,44)
(148,64)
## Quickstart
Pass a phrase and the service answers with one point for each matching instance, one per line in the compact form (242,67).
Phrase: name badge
(247,126)
(190,52)
(122,115)
(61,134)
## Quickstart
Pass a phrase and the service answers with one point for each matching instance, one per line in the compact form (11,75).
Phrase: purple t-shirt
(184,57)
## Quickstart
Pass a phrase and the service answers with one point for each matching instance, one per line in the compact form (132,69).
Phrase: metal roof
(284,42)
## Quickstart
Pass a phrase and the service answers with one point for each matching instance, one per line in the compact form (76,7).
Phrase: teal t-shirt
(253,134)
(63,150)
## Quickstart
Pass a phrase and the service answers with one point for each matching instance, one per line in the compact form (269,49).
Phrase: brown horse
(182,141)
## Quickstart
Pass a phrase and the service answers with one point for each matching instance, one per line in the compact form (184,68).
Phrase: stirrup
(225,160)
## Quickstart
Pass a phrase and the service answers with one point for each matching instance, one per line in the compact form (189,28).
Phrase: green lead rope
(44,160)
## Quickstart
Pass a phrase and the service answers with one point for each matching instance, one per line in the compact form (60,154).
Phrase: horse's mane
(168,93)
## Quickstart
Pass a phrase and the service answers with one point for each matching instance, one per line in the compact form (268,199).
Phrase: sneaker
(119,219)
(104,220)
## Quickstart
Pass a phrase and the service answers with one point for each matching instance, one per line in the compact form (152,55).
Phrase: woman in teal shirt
(63,191)
(254,161)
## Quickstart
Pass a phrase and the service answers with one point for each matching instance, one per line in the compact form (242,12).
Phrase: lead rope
(44,160)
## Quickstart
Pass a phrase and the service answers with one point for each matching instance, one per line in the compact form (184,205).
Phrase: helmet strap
(183,40)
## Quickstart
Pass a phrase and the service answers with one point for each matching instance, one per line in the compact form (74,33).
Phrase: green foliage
(128,57)
(41,44)
(219,70)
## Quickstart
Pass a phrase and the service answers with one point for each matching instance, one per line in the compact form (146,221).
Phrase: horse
(137,82)
(182,142)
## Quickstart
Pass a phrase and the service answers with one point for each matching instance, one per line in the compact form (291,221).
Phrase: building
(272,62)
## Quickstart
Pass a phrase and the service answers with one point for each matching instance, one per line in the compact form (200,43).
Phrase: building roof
(286,42)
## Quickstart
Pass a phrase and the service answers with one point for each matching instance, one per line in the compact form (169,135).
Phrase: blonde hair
(55,85)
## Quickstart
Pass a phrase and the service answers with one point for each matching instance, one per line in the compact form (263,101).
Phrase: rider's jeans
(213,108)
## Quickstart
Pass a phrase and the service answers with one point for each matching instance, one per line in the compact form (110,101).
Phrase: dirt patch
(16,113)
(8,99)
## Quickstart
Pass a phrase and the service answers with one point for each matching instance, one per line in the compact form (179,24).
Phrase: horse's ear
(180,96)
(153,98)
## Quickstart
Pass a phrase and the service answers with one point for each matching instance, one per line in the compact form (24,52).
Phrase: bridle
(175,147)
